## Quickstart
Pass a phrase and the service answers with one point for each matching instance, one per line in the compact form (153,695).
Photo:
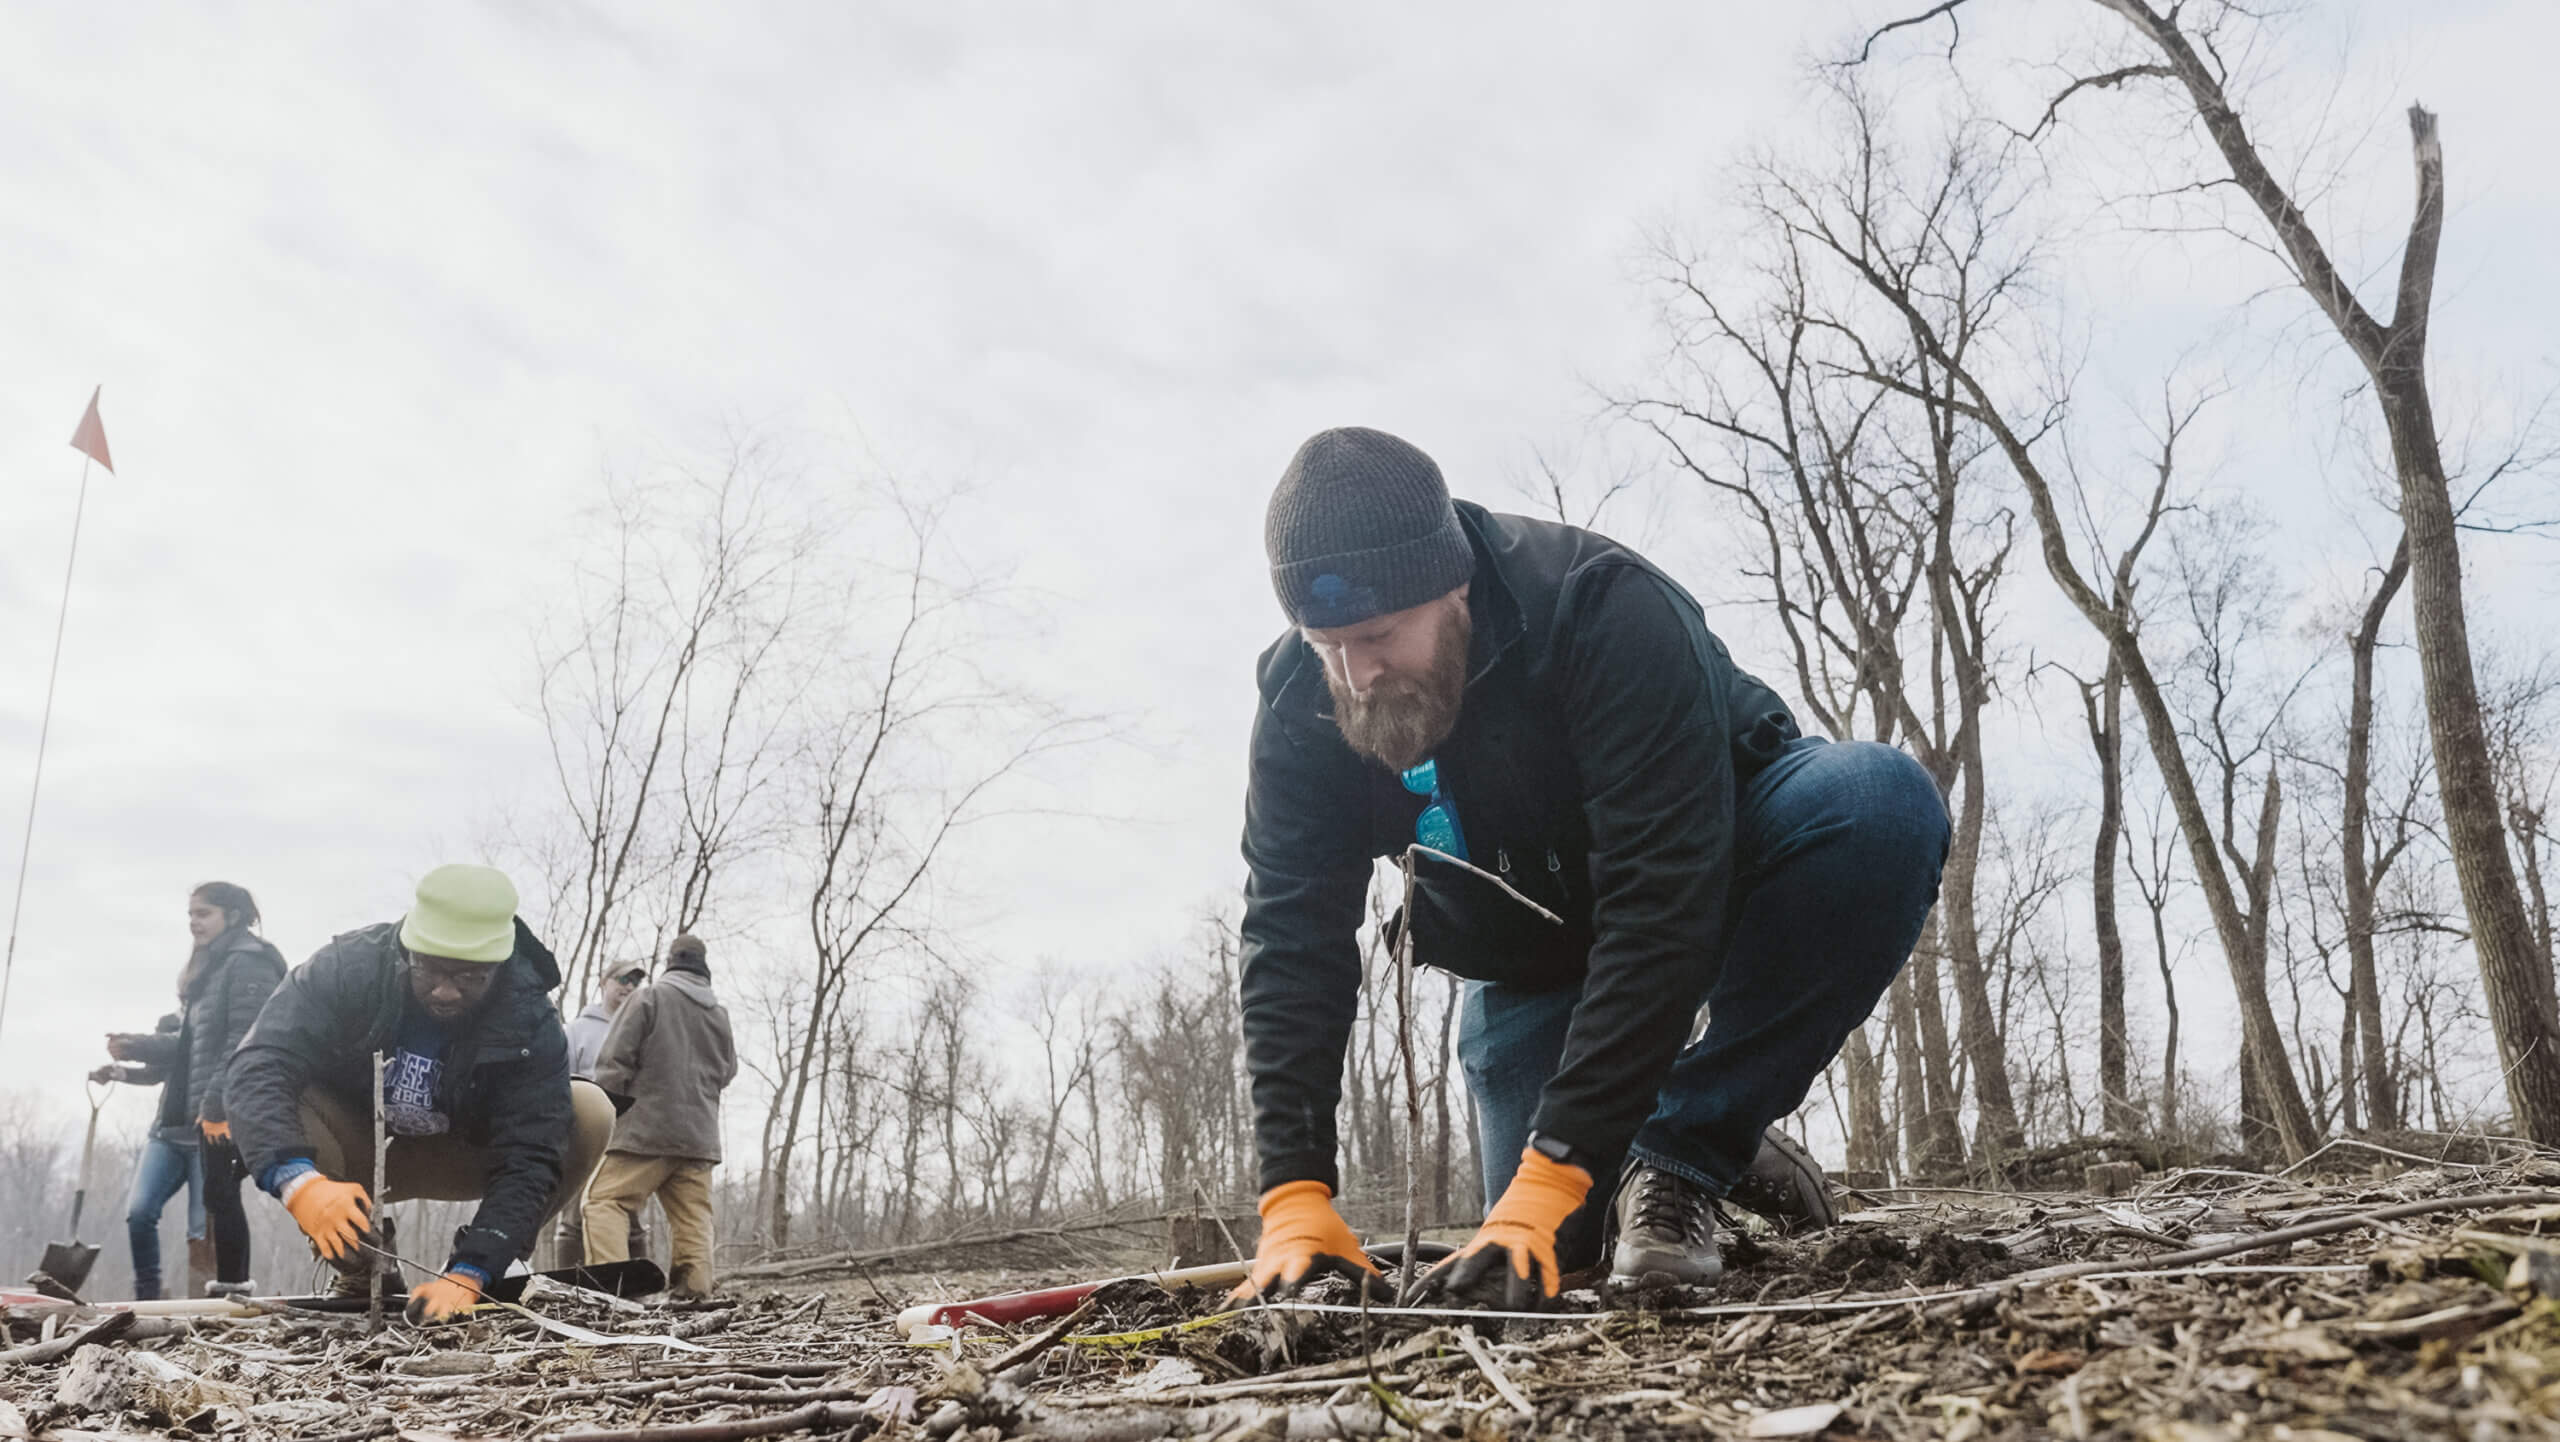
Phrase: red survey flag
(91,439)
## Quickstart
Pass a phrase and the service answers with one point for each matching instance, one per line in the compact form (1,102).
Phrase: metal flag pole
(44,732)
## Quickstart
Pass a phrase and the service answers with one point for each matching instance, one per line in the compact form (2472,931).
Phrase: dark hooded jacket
(506,1089)
(219,993)
(1604,738)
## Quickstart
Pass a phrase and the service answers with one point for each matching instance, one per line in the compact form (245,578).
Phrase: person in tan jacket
(666,1059)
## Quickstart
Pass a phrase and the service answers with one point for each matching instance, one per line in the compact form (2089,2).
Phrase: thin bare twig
(115,1326)
(1409,1275)
(1944,7)
(1493,1373)
(1031,1350)
(817,1416)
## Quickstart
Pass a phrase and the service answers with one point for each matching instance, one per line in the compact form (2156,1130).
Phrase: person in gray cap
(1616,827)
(587,1028)
(586,1041)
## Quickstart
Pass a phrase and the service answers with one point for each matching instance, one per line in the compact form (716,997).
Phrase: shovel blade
(68,1263)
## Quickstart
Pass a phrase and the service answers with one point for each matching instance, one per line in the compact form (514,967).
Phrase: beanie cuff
(1350,587)
(487,949)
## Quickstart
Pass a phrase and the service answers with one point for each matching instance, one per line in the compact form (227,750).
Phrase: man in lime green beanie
(476,1095)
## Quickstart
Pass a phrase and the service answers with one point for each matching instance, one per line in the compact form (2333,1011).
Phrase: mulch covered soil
(2404,1301)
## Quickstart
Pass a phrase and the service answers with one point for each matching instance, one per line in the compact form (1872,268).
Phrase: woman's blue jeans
(165,1167)
(1836,858)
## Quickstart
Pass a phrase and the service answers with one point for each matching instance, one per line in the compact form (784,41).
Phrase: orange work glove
(215,1131)
(1511,1260)
(443,1299)
(334,1215)
(1302,1236)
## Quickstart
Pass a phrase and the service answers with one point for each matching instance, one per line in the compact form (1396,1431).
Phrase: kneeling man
(1622,827)
(477,1099)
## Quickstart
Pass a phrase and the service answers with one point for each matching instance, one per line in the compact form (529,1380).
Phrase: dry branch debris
(2209,1304)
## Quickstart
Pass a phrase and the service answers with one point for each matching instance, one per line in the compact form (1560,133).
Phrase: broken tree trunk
(2105,706)
(2393,355)
(2364,988)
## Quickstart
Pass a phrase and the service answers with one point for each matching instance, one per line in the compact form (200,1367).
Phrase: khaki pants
(682,1185)
(444,1168)
(571,1234)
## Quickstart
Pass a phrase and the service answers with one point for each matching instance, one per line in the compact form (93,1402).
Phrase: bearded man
(1621,827)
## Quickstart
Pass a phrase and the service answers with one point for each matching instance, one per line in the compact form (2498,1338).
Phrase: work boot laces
(1669,1204)
(1770,1198)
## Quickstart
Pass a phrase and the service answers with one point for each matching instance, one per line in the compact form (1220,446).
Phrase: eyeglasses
(468,978)
(1437,827)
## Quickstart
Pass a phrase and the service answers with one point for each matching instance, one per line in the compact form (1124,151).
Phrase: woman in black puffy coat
(227,978)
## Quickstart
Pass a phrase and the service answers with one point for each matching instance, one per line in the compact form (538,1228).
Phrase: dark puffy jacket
(237,979)
(505,1082)
(1603,741)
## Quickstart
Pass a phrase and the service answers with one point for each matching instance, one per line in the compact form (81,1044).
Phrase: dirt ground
(2378,1299)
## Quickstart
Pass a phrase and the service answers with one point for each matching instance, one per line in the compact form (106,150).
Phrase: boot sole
(1640,1274)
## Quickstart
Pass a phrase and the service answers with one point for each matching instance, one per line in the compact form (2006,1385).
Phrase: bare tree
(912,746)
(2154,871)
(2519,700)
(664,686)
(2187,47)
(1071,1037)
(2515,977)
(2358,848)
(2102,701)
(1877,544)
(1870,1135)
(1934,245)
(2228,708)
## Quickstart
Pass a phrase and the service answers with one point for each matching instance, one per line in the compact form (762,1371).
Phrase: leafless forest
(2196,769)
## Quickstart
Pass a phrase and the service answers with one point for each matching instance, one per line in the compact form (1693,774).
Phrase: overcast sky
(376,292)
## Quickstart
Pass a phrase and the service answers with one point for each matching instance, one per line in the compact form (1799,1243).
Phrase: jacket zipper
(1558,900)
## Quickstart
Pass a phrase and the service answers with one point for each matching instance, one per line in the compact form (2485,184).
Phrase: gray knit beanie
(1361,525)
(686,953)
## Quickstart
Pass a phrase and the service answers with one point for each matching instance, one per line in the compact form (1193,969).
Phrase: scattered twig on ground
(1031,1350)
(116,1325)
(1493,1372)
(817,1415)
(803,1267)
(2382,1304)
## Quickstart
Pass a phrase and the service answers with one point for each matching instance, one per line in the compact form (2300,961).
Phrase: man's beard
(1403,718)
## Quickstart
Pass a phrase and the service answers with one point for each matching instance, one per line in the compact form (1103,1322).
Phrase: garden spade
(67,1264)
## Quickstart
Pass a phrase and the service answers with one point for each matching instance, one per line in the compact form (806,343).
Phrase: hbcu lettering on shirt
(409,1095)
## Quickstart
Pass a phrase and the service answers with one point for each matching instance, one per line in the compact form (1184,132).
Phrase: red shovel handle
(1017,1307)
(1057,1301)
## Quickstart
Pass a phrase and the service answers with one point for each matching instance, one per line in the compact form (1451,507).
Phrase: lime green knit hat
(466,913)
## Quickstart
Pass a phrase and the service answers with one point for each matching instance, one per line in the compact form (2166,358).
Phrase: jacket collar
(1491,603)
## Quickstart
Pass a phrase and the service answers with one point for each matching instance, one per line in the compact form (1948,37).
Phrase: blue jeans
(165,1166)
(1836,857)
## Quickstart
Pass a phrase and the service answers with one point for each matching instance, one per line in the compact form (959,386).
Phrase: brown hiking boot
(1785,1185)
(1666,1228)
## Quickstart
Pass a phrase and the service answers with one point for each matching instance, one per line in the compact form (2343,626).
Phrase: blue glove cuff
(478,1278)
(272,1180)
